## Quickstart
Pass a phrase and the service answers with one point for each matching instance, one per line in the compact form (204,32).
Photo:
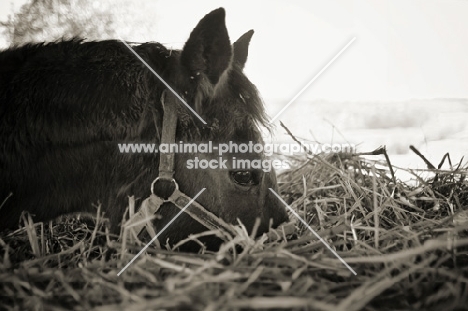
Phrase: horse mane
(117,70)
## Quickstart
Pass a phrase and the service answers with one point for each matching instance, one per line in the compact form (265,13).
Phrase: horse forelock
(238,107)
(233,108)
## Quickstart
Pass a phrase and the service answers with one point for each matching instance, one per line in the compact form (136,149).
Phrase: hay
(407,242)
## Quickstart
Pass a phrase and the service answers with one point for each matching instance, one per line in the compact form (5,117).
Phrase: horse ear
(208,48)
(241,48)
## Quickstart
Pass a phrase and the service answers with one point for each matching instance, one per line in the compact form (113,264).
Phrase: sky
(403,49)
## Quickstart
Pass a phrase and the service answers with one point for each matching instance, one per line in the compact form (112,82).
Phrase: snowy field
(434,127)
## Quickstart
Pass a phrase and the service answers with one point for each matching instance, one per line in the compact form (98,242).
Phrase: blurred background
(403,81)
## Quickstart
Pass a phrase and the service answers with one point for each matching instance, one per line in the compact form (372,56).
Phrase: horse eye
(245,178)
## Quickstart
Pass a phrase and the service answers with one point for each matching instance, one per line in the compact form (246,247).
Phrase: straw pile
(406,242)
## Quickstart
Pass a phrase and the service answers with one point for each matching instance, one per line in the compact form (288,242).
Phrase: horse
(66,105)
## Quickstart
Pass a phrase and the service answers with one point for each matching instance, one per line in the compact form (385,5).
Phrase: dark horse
(65,106)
